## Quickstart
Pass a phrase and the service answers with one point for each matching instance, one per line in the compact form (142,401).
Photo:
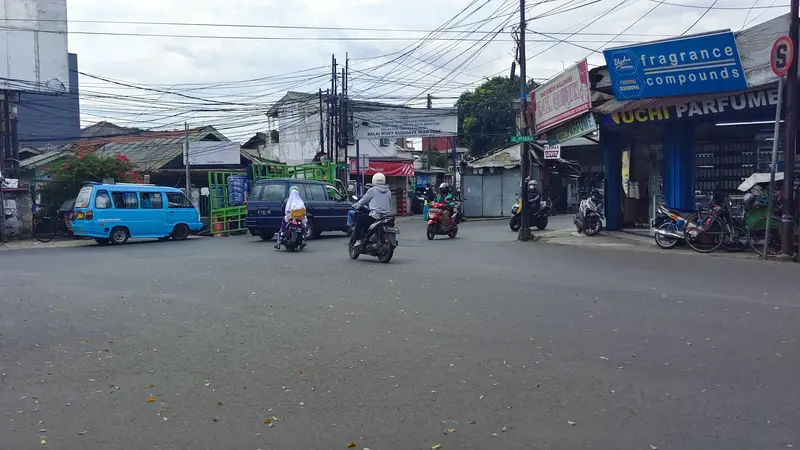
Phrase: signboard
(388,168)
(552,151)
(520,139)
(781,56)
(574,129)
(395,123)
(626,171)
(760,104)
(214,153)
(683,66)
(33,49)
(561,98)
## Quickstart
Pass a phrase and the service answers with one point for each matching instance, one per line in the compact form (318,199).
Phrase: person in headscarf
(295,209)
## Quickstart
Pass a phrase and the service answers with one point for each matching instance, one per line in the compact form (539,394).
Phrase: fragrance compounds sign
(683,66)
(562,98)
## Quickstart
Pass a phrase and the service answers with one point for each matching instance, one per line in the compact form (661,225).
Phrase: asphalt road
(514,346)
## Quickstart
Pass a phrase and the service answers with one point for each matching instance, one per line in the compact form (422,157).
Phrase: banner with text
(395,123)
(207,153)
(574,129)
(683,66)
(561,98)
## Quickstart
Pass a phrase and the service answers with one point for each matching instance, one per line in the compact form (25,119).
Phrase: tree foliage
(486,116)
(68,174)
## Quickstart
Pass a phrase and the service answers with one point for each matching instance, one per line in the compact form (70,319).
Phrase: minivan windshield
(82,201)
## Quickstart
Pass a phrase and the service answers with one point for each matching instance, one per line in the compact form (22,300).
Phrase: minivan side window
(313,192)
(178,200)
(82,200)
(151,200)
(125,200)
(256,192)
(102,200)
(273,192)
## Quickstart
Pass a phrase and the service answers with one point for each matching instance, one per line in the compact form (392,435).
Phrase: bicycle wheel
(706,238)
(735,238)
(756,233)
(45,230)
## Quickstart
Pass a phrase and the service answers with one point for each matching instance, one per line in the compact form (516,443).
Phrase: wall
(50,120)
(18,215)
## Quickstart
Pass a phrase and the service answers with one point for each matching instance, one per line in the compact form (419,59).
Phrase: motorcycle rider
(295,209)
(446,196)
(534,197)
(377,199)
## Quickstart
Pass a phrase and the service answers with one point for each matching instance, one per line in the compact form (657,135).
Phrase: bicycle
(46,228)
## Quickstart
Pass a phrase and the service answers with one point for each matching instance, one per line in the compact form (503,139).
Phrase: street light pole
(787,231)
(525,160)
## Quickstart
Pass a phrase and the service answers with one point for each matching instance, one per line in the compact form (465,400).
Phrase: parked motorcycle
(589,219)
(705,230)
(294,236)
(379,240)
(436,222)
(539,219)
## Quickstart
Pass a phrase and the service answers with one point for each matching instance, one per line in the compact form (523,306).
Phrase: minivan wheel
(119,236)
(180,232)
(266,235)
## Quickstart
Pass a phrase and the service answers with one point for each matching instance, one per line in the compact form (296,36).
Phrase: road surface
(194,345)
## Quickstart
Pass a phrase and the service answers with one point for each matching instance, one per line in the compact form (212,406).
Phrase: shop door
(492,194)
(473,195)
(511,189)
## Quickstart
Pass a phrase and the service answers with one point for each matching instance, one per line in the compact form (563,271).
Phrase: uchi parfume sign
(684,66)
(561,98)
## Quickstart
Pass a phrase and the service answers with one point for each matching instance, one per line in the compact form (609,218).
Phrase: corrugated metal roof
(613,106)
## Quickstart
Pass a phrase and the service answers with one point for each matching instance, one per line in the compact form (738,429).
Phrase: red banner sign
(388,168)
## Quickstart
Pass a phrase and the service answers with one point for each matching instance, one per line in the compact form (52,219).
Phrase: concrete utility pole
(428,150)
(787,231)
(525,163)
(186,152)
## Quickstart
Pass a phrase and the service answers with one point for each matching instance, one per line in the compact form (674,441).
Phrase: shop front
(398,174)
(672,150)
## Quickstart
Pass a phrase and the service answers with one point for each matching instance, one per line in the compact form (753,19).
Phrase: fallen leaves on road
(436,447)
(43,441)
(351,445)
(653,447)
(149,385)
(152,400)
(449,430)
(267,420)
(571,422)
(227,333)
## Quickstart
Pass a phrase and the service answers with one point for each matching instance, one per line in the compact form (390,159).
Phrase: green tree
(486,117)
(69,173)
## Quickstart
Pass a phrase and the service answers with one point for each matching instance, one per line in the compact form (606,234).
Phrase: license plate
(391,230)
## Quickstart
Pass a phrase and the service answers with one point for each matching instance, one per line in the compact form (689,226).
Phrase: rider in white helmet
(377,198)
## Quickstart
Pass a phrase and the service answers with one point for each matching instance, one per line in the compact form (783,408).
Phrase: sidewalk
(628,241)
(58,243)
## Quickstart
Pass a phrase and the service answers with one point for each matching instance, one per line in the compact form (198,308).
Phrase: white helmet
(378,179)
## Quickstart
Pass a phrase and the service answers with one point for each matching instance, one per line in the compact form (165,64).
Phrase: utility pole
(321,125)
(525,163)
(787,230)
(346,132)
(328,119)
(428,150)
(186,152)
(333,151)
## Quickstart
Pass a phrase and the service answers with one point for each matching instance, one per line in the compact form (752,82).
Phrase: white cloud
(170,61)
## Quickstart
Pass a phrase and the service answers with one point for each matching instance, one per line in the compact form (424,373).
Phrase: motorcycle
(294,236)
(379,240)
(699,228)
(539,219)
(589,219)
(436,222)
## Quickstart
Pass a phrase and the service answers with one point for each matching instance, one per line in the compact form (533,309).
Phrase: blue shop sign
(683,66)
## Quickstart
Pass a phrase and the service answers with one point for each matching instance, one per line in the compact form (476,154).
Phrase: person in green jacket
(446,196)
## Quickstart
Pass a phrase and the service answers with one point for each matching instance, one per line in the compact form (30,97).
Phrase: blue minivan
(326,206)
(113,213)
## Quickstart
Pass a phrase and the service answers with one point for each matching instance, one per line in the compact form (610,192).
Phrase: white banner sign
(213,153)
(562,98)
(552,151)
(395,123)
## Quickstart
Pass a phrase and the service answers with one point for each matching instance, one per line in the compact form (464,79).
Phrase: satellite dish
(55,86)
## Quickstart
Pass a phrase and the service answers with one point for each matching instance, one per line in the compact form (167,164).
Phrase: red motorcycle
(436,222)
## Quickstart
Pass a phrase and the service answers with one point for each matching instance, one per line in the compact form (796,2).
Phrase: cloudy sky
(228,75)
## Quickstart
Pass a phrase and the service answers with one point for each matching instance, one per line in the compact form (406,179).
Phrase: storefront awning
(388,168)
(613,106)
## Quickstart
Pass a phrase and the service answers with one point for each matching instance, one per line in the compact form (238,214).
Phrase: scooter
(379,240)
(436,222)
(589,220)
(539,220)
(294,236)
